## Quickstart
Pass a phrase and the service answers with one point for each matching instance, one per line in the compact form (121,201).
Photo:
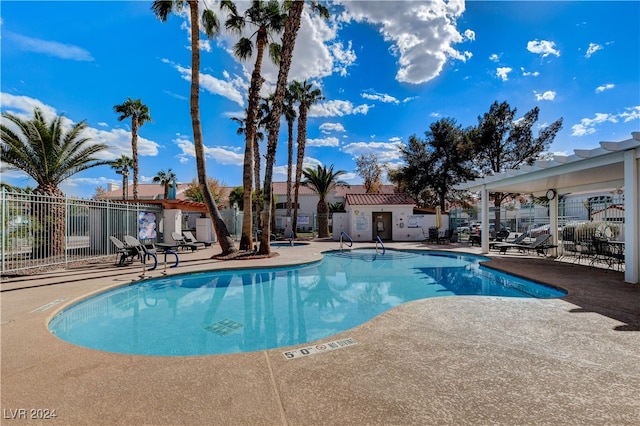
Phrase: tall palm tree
(139,114)
(267,18)
(291,27)
(322,181)
(49,153)
(162,9)
(122,166)
(166,179)
(305,95)
(289,115)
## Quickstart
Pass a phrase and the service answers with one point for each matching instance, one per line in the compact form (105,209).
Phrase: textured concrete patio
(449,360)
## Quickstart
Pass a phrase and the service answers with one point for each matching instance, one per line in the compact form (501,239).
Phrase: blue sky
(387,70)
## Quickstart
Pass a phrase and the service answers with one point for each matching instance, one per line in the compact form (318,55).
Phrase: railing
(344,235)
(378,240)
(40,231)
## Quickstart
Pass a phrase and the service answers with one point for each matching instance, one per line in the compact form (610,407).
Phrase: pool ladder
(344,235)
(378,240)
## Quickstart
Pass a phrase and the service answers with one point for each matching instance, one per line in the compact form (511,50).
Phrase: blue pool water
(254,309)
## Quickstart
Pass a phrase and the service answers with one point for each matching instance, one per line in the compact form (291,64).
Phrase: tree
(291,28)
(290,116)
(305,95)
(49,153)
(139,114)
(121,166)
(162,9)
(322,181)
(500,143)
(435,164)
(369,170)
(193,192)
(267,18)
(166,179)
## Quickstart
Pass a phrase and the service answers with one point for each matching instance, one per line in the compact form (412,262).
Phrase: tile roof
(377,199)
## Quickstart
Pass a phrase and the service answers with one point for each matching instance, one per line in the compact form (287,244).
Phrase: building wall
(357,223)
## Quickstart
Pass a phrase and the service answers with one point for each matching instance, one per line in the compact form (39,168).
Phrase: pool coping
(449,360)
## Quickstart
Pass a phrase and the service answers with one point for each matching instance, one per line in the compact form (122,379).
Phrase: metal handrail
(344,234)
(378,240)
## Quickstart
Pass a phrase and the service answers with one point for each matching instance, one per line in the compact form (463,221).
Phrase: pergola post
(631,212)
(484,219)
(553,223)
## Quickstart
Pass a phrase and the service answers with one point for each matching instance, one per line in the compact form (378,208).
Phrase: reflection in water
(239,311)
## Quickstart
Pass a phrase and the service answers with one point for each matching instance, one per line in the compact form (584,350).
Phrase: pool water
(253,309)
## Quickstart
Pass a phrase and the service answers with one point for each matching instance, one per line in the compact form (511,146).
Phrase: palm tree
(305,95)
(322,181)
(162,9)
(291,27)
(121,166)
(49,154)
(269,20)
(139,114)
(289,115)
(166,179)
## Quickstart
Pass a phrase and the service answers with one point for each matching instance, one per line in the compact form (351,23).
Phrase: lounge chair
(181,242)
(446,236)
(540,245)
(189,238)
(517,240)
(123,250)
(143,251)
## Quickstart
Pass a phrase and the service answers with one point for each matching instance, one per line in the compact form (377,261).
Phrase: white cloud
(631,113)
(337,108)
(529,73)
(549,95)
(329,141)
(604,87)
(233,89)
(222,155)
(543,47)
(470,35)
(382,97)
(331,127)
(343,58)
(494,57)
(587,125)
(384,151)
(103,124)
(422,34)
(503,73)
(593,48)
(51,48)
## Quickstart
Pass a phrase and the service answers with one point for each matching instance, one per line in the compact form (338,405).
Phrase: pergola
(613,165)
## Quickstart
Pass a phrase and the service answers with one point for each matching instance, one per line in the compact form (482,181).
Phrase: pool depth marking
(48,305)
(319,348)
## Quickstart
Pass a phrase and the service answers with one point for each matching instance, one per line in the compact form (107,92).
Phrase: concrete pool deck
(450,360)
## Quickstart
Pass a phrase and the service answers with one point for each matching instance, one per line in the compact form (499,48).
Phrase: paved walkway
(449,360)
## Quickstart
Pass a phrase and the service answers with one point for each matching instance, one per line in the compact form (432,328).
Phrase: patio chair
(144,252)
(540,245)
(123,250)
(430,235)
(516,240)
(445,236)
(182,243)
(189,238)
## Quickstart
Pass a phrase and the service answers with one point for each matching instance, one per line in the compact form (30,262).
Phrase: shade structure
(438,217)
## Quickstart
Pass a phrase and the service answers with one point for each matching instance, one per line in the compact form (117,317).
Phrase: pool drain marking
(319,348)
(48,305)
(224,327)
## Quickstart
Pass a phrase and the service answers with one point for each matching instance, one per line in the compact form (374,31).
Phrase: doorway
(382,225)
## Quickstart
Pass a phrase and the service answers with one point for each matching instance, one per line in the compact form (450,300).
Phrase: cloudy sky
(387,70)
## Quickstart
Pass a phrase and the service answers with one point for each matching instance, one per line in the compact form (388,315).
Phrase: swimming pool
(254,309)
